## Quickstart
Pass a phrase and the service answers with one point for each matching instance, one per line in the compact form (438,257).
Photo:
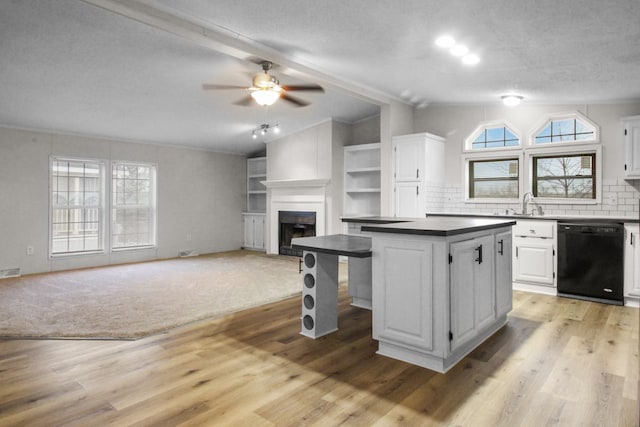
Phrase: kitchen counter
(440,226)
(391,219)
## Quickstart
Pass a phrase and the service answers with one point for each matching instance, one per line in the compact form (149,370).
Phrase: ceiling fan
(266,89)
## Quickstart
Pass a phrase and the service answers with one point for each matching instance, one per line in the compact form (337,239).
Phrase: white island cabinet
(441,286)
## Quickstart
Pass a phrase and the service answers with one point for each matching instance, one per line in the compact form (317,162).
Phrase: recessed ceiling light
(511,100)
(445,41)
(470,59)
(459,50)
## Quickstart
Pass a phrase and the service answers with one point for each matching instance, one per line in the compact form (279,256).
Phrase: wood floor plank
(557,362)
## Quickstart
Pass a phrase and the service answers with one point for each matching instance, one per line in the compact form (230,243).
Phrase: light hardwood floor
(558,362)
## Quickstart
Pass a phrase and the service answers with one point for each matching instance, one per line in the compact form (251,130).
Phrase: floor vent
(5,273)
(184,254)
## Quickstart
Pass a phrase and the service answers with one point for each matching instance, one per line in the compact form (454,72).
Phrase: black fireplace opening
(294,224)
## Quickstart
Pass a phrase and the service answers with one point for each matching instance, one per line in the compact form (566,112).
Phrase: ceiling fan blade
(304,87)
(247,101)
(208,86)
(296,101)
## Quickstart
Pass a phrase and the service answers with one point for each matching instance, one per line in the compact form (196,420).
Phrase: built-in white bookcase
(362,179)
(256,191)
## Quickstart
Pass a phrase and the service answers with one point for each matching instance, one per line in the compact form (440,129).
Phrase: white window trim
(468,142)
(574,148)
(486,155)
(104,214)
(154,193)
(544,121)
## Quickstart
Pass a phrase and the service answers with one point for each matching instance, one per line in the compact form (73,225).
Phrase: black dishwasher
(590,257)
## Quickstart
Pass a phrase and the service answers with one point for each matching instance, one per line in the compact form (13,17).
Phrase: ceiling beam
(236,45)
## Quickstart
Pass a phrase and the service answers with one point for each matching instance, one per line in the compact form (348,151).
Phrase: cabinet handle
(300,266)
(479,259)
(417,173)
(417,191)
(516,252)
(501,250)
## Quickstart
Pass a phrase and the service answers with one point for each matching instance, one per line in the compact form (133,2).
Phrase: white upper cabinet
(419,160)
(631,127)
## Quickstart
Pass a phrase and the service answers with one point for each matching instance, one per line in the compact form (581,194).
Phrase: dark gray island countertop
(336,244)
(440,226)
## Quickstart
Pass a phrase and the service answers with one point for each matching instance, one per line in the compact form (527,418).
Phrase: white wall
(201,194)
(456,123)
(365,131)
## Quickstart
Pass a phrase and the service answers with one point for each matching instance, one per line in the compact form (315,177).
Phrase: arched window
(492,135)
(564,128)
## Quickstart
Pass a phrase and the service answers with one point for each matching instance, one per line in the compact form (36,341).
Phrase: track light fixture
(263,129)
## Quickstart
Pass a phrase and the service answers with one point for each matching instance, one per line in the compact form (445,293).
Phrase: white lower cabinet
(437,298)
(632,261)
(253,231)
(534,243)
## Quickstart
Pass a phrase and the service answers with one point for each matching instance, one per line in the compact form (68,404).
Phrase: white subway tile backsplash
(625,194)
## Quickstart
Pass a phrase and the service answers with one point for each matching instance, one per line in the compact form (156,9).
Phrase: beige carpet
(134,300)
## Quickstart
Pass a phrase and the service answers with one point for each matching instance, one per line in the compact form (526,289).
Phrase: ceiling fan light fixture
(265,97)
(512,100)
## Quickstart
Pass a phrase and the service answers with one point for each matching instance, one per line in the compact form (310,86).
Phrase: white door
(533,261)
(463,324)
(409,160)
(504,299)
(408,200)
(484,284)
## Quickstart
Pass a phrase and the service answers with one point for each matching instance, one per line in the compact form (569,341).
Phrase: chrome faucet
(528,197)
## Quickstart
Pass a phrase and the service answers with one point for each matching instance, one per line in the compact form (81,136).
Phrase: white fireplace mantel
(294,195)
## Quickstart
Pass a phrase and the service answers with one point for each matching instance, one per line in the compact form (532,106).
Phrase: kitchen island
(441,286)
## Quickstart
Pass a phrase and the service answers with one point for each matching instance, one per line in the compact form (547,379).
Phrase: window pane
(133,214)
(495,137)
(496,189)
(493,178)
(565,130)
(76,206)
(569,177)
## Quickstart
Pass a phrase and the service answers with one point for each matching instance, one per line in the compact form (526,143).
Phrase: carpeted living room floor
(135,300)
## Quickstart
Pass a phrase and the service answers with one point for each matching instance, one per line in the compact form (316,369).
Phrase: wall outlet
(30,250)
(613,199)
(188,237)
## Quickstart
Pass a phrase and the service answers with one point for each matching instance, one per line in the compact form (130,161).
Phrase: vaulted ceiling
(134,69)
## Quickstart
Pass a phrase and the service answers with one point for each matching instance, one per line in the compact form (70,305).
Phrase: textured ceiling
(69,66)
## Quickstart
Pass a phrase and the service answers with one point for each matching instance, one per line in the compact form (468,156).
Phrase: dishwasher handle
(479,259)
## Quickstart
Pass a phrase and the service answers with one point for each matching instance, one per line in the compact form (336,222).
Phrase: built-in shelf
(362,179)
(256,191)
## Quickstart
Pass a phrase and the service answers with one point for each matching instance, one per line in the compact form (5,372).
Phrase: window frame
(102,214)
(570,115)
(468,142)
(491,156)
(153,202)
(573,150)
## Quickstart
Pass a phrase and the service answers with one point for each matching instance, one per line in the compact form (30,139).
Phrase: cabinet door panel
(248,231)
(631,260)
(632,149)
(258,239)
(533,261)
(462,292)
(504,297)
(403,294)
(409,159)
(484,285)
(408,199)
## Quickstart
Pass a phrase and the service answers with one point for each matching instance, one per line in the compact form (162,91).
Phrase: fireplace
(294,224)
